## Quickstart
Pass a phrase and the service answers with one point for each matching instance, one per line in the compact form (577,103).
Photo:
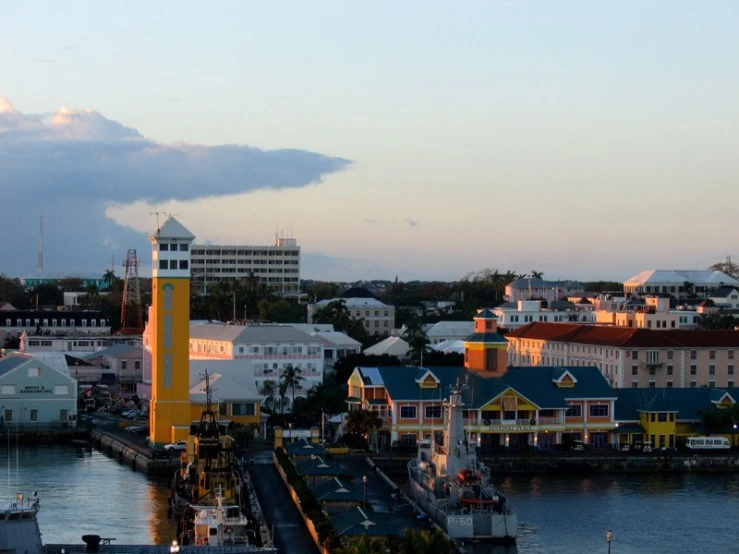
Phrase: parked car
(178,446)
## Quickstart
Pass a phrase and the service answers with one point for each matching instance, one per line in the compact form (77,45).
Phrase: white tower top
(171,250)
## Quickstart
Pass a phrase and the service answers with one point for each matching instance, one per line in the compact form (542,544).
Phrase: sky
(417,140)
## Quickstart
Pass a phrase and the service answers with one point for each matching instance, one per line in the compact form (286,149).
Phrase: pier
(139,457)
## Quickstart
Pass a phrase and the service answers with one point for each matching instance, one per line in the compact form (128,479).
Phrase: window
(164,247)
(407,412)
(163,264)
(712,355)
(34,372)
(712,369)
(711,384)
(183,264)
(731,354)
(137,364)
(34,415)
(692,384)
(172,264)
(124,364)
(8,416)
(635,354)
(63,415)
(669,384)
(662,417)
(653,356)
(635,370)
(184,247)
(670,370)
(433,412)
(61,389)
(7,389)
(672,416)
(693,369)
(670,354)
(574,410)
(693,354)
(651,418)
(599,410)
(634,384)
(243,409)
(730,369)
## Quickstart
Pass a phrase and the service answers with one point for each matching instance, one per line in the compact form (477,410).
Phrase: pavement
(290,533)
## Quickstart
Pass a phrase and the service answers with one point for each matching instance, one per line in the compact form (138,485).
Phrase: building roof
(393,346)
(172,229)
(335,490)
(489,338)
(113,351)
(455,346)
(250,333)
(687,402)
(535,282)
(57,360)
(336,338)
(229,380)
(356,522)
(353,302)
(722,292)
(459,329)
(669,276)
(534,383)
(313,327)
(626,337)
(12,361)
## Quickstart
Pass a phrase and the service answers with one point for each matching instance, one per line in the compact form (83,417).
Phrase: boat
(206,491)
(19,530)
(452,486)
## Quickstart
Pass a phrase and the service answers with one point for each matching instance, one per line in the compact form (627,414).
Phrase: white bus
(708,443)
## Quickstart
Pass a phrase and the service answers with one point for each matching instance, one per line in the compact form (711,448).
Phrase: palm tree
(363,545)
(536,274)
(364,423)
(110,278)
(416,541)
(416,338)
(291,378)
(268,393)
(282,391)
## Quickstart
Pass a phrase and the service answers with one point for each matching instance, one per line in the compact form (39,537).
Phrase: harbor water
(82,491)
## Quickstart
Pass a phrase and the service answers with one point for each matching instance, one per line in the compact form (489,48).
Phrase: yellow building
(169,411)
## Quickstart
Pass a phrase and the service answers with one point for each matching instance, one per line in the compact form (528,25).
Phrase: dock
(139,457)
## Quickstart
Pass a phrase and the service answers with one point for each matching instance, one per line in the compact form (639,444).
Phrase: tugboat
(206,492)
(19,530)
(453,486)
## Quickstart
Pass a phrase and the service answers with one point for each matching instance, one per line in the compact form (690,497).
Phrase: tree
(46,294)
(110,278)
(416,541)
(13,291)
(731,269)
(336,313)
(291,378)
(363,545)
(536,274)
(364,423)
(416,339)
(268,393)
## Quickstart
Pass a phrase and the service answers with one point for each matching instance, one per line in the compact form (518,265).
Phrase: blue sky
(419,139)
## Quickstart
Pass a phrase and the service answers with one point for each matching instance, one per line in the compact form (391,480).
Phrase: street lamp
(313,459)
(609,538)
(364,486)
(175,548)
(733,432)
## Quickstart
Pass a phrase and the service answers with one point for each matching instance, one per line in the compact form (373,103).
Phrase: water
(86,492)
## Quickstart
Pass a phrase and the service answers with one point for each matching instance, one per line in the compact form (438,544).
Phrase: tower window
(163,264)
(164,246)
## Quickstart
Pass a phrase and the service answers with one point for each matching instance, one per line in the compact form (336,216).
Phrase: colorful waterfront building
(169,324)
(520,407)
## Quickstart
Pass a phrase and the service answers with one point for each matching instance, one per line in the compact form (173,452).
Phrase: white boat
(220,525)
(19,530)
(453,487)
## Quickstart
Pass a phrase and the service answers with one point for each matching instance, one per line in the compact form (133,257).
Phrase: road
(291,535)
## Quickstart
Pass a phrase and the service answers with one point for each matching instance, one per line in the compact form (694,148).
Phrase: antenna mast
(132,321)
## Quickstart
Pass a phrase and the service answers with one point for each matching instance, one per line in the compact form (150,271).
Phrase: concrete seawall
(138,457)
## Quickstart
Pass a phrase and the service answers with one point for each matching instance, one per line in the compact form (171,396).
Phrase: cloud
(68,166)
(410,222)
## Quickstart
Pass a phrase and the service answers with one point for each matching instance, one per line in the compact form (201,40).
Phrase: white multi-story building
(677,281)
(378,318)
(514,315)
(267,350)
(276,266)
(531,288)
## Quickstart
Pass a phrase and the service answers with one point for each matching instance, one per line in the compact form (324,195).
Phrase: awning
(629,429)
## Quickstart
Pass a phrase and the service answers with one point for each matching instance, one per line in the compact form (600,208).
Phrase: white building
(336,345)
(677,281)
(449,330)
(276,266)
(378,318)
(530,288)
(266,350)
(231,384)
(36,396)
(514,315)
(725,297)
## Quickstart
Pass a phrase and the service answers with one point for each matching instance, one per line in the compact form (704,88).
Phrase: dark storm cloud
(68,166)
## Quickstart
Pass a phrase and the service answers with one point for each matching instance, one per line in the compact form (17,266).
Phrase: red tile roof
(626,337)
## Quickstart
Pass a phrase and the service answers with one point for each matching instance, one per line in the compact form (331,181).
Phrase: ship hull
(466,524)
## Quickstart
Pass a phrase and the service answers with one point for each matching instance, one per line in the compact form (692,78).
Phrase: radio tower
(40,255)
(132,322)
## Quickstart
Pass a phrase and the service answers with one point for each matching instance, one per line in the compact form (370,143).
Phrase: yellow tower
(169,410)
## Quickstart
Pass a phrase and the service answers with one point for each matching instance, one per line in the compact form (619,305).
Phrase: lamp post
(313,459)
(733,432)
(364,486)
(609,538)
(175,548)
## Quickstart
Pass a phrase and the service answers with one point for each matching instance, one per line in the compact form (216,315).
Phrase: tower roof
(485,314)
(172,229)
